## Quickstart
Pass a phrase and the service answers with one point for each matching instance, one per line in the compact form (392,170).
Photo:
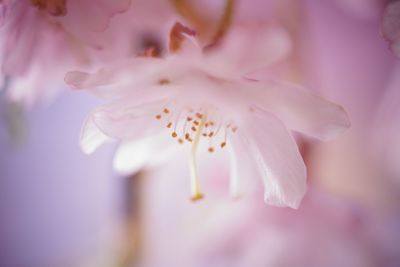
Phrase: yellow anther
(196,197)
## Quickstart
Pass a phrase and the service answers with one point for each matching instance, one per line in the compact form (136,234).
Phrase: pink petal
(86,18)
(248,48)
(278,159)
(91,137)
(123,121)
(299,109)
(391,25)
(19,40)
(116,79)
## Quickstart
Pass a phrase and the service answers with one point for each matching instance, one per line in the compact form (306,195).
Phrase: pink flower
(391,26)
(204,98)
(42,39)
(324,231)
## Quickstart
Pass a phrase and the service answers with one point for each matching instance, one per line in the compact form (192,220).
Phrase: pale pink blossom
(41,39)
(324,231)
(204,98)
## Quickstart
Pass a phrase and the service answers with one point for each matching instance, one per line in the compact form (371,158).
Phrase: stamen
(174,134)
(158,116)
(211,149)
(169,125)
(166,111)
(223,144)
(194,178)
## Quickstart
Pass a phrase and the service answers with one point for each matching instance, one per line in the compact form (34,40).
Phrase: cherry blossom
(204,98)
(46,38)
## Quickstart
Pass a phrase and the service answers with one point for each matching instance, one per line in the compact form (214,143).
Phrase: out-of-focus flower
(385,130)
(324,231)
(356,76)
(205,96)
(391,26)
(42,39)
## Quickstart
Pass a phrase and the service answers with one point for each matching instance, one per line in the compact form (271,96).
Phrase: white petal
(278,159)
(243,170)
(132,156)
(299,109)
(91,137)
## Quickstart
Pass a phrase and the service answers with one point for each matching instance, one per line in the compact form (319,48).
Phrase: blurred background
(62,208)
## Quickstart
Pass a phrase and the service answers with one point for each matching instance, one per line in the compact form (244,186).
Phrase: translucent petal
(278,160)
(299,109)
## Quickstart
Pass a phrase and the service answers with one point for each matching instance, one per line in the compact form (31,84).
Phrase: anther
(174,134)
(197,197)
(163,81)
(189,118)
(198,115)
(196,123)
(211,134)
(234,129)
(194,129)
(180,141)
(166,111)
(223,144)
(169,125)
(158,116)
(211,149)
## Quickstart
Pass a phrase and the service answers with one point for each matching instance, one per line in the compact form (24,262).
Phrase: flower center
(191,125)
(52,7)
(188,122)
